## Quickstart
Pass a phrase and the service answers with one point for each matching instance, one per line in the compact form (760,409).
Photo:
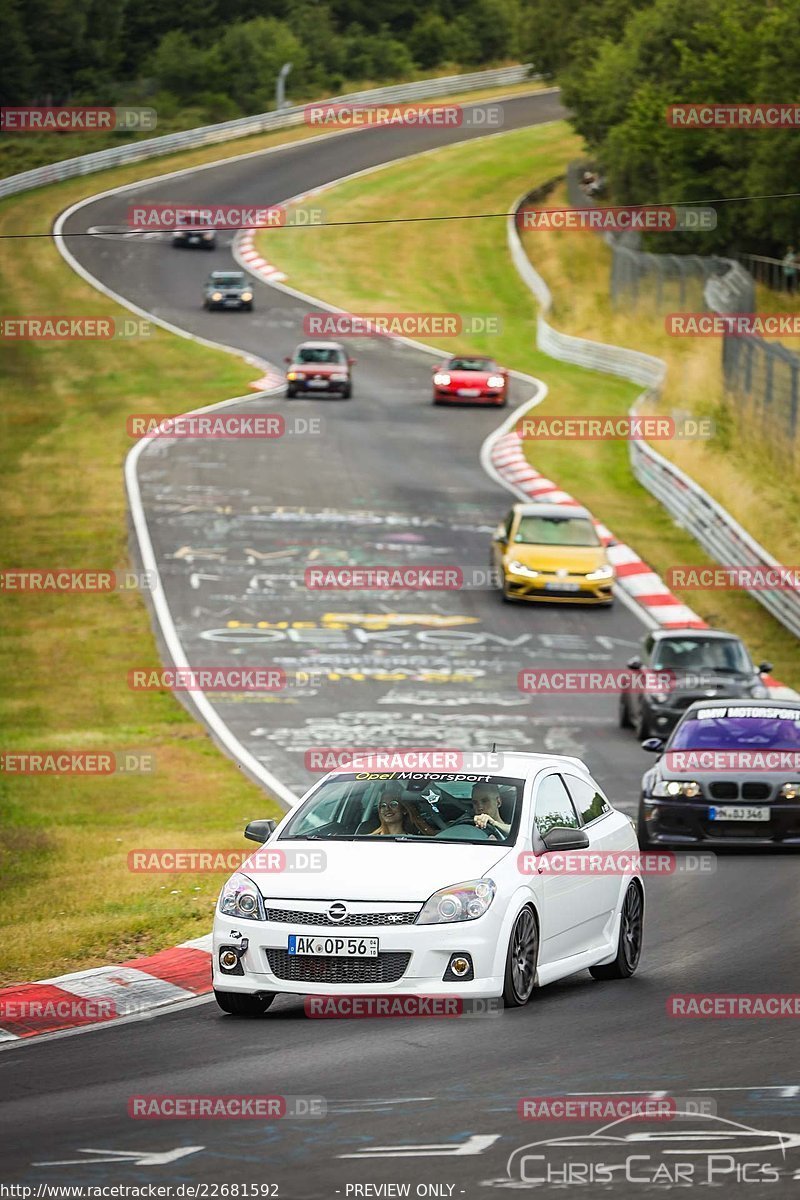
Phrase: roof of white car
(320,346)
(511,763)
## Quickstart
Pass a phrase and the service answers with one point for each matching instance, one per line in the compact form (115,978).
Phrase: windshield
(739,728)
(715,654)
(319,354)
(411,806)
(233,279)
(556,531)
(471,364)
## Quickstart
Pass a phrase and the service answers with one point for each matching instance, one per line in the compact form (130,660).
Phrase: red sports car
(470,380)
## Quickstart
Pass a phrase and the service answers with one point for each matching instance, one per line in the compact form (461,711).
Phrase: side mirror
(438,367)
(351,362)
(635,663)
(287,359)
(566,839)
(764,668)
(653,745)
(260,831)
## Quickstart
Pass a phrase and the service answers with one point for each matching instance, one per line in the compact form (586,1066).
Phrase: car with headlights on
(729,775)
(470,379)
(692,664)
(430,882)
(319,367)
(228,289)
(194,229)
(551,552)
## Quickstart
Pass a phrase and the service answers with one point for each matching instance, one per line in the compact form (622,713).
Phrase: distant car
(728,775)
(470,379)
(702,664)
(435,882)
(194,229)
(551,552)
(228,289)
(319,367)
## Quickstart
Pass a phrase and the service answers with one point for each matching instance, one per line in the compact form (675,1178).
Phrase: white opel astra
(422,883)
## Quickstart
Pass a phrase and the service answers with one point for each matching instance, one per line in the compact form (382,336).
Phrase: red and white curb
(250,258)
(104,994)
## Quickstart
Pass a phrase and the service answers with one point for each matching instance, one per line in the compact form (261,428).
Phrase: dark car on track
(319,367)
(194,229)
(730,774)
(228,289)
(701,664)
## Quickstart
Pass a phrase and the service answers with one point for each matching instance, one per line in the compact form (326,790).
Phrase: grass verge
(464,267)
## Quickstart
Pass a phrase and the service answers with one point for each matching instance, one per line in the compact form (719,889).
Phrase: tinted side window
(589,802)
(554,808)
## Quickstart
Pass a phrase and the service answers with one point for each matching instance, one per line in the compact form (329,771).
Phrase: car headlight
(208,236)
(441,380)
(247,296)
(216,295)
(520,569)
(606,572)
(293,375)
(241,898)
(460,902)
(759,692)
(790,791)
(658,697)
(339,377)
(677,787)
(495,381)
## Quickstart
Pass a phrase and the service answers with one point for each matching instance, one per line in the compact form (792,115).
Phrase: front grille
(724,789)
(303,968)
(295,917)
(756,791)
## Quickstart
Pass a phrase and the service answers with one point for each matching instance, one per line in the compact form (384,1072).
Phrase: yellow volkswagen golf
(552,552)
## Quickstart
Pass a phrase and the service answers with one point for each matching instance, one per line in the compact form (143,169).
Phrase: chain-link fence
(761,377)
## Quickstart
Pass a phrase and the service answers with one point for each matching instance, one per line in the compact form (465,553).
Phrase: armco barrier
(692,507)
(206,135)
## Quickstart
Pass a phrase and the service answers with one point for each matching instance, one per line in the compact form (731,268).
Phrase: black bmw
(729,775)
